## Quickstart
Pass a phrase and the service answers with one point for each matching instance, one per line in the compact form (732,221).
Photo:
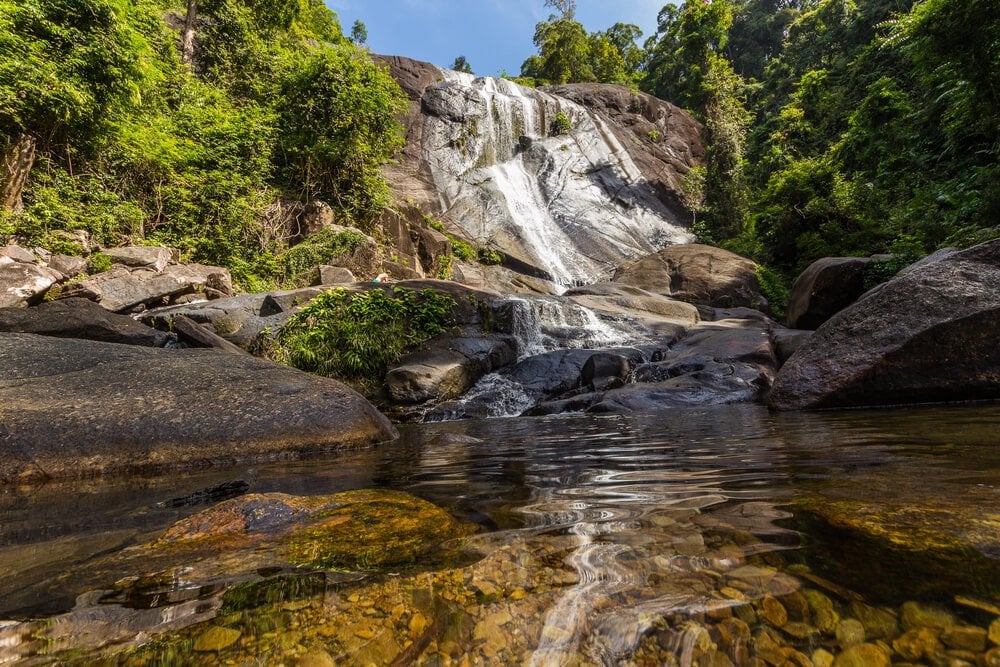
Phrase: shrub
(561,125)
(489,256)
(355,336)
(463,250)
(98,263)
(774,289)
(318,249)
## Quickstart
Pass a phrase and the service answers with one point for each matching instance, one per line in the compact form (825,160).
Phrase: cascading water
(539,324)
(572,205)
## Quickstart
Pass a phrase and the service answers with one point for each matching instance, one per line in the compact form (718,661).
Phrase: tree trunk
(18,158)
(187,35)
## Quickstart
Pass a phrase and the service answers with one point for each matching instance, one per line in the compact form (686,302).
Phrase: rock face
(80,318)
(23,284)
(448,367)
(825,288)
(73,407)
(697,274)
(482,155)
(929,335)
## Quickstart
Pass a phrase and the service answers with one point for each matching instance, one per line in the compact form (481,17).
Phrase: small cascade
(540,325)
(543,324)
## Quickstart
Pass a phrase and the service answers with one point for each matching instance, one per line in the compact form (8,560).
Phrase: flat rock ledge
(72,408)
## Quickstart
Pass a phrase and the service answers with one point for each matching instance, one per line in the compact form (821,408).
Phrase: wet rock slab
(72,407)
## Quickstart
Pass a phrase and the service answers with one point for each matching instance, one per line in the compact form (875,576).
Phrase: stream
(711,537)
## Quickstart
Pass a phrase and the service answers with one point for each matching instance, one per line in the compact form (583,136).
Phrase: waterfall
(574,205)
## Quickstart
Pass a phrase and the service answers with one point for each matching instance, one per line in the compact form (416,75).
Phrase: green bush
(463,250)
(561,125)
(355,336)
(320,248)
(775,290)
(489,256)
(98,263)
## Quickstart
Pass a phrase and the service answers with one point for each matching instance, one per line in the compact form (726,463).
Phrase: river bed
(723,536)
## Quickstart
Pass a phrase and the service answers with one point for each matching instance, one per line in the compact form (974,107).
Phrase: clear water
(602,540)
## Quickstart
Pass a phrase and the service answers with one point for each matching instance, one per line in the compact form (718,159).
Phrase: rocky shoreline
(673,330)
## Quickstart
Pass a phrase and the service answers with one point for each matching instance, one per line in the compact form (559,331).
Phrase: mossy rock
(366,529)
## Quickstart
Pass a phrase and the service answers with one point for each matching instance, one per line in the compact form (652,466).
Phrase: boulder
(238,319)
(788,341)
(192,334)
(366,529)
(74,407)
(629,300)
(825,288)
(18,254)
(68,265)
(24,284)
(214,281)
(120,289)
(927,336)
(697,274)
(145,257)
(80,318)
(335,275)
(448,367)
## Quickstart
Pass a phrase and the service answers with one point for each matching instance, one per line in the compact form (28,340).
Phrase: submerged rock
(72,407)
(927,336)
(364,529)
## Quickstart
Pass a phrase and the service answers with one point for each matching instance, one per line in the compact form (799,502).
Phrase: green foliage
(872,123)
(135,147)
(462,65)
(568,54)
(338,118)
(359,33)
(463,250)
(445,268)
(67,68)
(489,256)
(353,336)
(775,290)
(561,125)
(98,262)
(320,248)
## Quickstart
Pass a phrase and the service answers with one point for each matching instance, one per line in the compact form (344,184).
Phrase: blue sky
(491,34)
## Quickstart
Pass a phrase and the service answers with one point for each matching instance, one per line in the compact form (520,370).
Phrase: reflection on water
(706,537)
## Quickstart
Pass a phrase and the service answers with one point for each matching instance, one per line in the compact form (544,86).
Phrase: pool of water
(712,537)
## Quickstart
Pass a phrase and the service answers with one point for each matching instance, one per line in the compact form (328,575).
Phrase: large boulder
(146,257)
(929,335)
(448,367)
(23,284)
(74,407)
(80,318)
(365,529)
(697,274)
(123,289)
(629,300)
(826,287)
